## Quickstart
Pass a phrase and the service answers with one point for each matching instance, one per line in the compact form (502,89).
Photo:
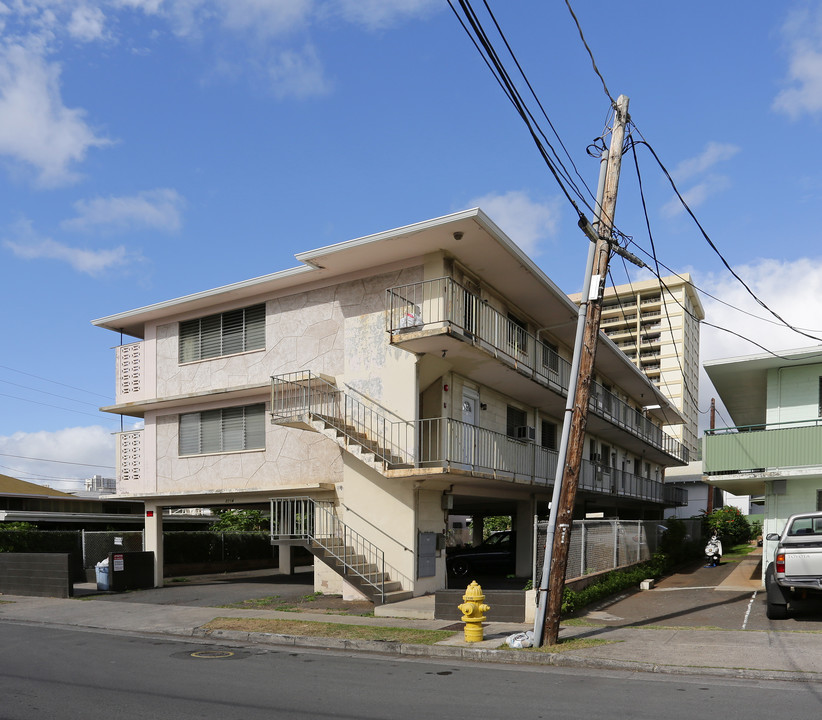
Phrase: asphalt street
(91,675)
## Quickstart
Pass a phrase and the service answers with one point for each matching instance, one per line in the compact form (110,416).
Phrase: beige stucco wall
(291,457)
(337,331)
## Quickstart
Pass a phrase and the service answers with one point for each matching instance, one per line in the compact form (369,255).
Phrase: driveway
(727,597)
(216,590)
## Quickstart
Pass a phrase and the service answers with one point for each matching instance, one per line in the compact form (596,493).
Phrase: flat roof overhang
(229,497)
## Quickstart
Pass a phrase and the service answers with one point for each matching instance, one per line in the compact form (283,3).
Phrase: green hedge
(198,547)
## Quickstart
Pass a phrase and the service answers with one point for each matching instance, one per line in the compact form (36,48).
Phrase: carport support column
(153,539)
(523,526)
(477,522)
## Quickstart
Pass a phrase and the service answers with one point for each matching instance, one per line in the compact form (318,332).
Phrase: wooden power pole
(582,392)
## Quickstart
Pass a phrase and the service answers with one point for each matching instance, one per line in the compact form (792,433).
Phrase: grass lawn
(330,630)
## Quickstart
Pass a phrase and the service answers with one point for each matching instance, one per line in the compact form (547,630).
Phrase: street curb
(500,657)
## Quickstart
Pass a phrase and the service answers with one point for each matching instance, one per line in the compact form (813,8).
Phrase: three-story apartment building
(367,394)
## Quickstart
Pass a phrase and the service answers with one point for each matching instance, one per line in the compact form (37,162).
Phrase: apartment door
(468,428)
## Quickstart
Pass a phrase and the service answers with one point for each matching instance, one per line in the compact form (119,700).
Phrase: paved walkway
(628,644)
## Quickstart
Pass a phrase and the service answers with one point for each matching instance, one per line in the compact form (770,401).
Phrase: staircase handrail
(308,394)
(304,518)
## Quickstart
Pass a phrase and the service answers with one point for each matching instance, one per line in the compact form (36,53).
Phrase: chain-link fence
(98,544)
(600,545)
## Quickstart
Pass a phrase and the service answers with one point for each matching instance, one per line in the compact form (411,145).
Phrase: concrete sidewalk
(795,656)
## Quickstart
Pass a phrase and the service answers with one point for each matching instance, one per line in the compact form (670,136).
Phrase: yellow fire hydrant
(473,612)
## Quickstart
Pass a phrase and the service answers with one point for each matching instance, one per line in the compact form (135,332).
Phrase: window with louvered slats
(224,430)
(226,333)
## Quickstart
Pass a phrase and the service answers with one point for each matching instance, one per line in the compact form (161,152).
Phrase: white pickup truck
(796,570)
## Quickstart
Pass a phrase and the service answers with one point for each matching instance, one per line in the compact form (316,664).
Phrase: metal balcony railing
(306,396)
(316,522)
(756,448)
(443,302)
(439,303)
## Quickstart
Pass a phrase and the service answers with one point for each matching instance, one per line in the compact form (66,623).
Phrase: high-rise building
(656,324)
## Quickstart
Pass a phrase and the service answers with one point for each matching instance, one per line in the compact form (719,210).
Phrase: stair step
(397,596)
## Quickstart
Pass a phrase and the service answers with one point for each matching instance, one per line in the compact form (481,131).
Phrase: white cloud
(375,14)
(713,154)
(30,246)
(297,74)
(265,17)
(696,195)
(93,446)
(157,209)
(526,222)
(803,40)
(768,278)
(87,23)
(36,128)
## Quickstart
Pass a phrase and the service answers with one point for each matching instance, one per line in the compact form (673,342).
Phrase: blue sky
(153,148)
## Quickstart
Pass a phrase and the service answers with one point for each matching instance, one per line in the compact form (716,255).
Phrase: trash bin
(101,571)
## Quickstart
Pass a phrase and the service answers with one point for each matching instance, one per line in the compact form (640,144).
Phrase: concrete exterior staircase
(364,576)
(370,451)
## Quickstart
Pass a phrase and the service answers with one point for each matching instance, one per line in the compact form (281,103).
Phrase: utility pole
(562,512)
(709,508)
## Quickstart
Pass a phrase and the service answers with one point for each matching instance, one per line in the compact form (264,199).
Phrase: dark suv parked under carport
(495,556)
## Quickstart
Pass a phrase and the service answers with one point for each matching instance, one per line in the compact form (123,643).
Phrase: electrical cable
(704,292)
(713,245)
(55,382)
(56,407)
(44,392)
(479,38)
(59,462)
(590,54)
(685,384)
(536,98)
(17,472)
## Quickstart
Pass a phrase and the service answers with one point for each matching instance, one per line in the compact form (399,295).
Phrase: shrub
(729,523)
(615,581)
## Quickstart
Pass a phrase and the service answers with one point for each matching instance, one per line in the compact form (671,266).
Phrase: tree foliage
(240,521)
(729,523)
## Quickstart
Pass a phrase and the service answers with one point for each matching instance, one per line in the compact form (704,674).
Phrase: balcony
(441,316)
(455,445)
(761,449)
(651,301)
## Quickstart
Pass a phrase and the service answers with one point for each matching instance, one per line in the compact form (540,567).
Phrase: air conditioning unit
(526,432)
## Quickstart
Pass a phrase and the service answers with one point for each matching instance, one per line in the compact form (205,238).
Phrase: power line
(484,46)
(685,383)
(536,98)
(39,476)
(55,382)
(59,462)
(56,407)
(704,292)
(713,245)
(44,392)
(590,53)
